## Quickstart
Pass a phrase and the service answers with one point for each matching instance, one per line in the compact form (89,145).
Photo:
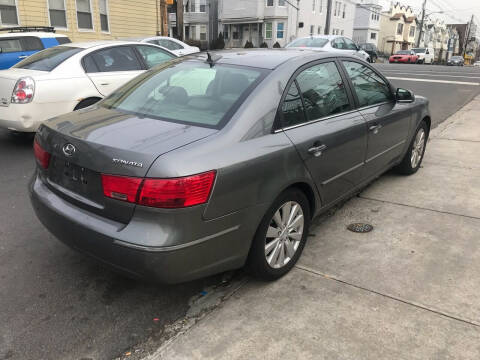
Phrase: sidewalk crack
(450,139)
(391,297)
(419,207)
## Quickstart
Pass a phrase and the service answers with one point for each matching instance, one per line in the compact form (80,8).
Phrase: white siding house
(367,22)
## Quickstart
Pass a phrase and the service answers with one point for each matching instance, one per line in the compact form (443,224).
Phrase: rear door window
(49,59)
(31,43)
(10,45)
(63,40)
(338,43)
(292,107)
(153,55)
(119,58)
(350,45)
(167,44)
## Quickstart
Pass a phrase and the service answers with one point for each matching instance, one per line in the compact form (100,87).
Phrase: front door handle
(317,150)
(375,128)
(105,84)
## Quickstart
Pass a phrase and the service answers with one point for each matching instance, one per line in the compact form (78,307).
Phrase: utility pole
(329,17)
(421,23)
(467,38)
(180,20)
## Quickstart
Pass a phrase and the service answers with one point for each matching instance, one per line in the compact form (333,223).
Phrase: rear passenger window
(120,58)
(63,40)
(89,64)
(10,45)
(323,91)
(292,107)
(370,88)
(31,43)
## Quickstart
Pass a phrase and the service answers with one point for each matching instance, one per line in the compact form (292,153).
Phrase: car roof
(39,34)
(261,58)
(329,37)
(100,43)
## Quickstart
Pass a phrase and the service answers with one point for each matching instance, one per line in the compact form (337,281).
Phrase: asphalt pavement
(57,304)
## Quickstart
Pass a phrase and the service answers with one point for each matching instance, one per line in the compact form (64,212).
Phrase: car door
(110,68)
(388,122)
(153,55)
(12,51)
(330,136)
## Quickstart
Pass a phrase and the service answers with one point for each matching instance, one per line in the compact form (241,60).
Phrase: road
(57,304)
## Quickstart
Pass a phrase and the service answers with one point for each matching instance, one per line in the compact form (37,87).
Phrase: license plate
(74,173)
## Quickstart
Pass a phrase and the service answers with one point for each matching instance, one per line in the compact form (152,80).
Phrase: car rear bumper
(223,246)
(402,60)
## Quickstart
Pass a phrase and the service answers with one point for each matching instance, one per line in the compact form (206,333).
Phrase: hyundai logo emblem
(69,150)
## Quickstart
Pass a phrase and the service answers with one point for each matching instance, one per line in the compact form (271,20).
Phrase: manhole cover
(360,227)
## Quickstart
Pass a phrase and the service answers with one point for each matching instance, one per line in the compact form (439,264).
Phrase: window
(56,10)
(292,107)
(280,29)
(268,30)
(308,42)
(313,5)
(84,15)
(189,92)
(323,91)
(167,44)
(10,45)
(370,88)
(103,9)
(335,10)
(281,3)
(321,6)
(48,59)
(350,45)
(344,10)
(32,43)
(412,31)
(341,32)
(119,58)
(319,30)
(236,32)
(399,29)
(203,32)
(203,6)
(338,43)
(312,29)
(153,55)
(373,36)
(8,12)
(225,31)
(269,2)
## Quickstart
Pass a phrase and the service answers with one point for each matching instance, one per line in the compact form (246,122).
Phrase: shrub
(264,45)
(276,45)
(248,45)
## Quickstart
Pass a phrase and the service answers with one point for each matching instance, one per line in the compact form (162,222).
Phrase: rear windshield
(419,51)
(187,92)
(48,59)
(308,42)
(457,58)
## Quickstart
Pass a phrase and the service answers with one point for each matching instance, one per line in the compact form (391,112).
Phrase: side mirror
(404,96)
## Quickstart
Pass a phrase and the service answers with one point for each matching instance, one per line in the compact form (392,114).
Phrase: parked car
(329,43)
(476,63)
(404,56)
(371,50)
(70,77)
(205,166)
(425,55)
(176,46)
(18,43)
(456,61)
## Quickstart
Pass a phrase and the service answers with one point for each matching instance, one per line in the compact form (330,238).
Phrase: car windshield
(403,52)
(308,42)
(189,92)
(457,58)
(418,51)
(49,59)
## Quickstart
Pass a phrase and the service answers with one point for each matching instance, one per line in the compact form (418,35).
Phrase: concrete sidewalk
(407,290)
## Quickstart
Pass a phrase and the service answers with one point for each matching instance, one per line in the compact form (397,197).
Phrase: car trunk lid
(88,143)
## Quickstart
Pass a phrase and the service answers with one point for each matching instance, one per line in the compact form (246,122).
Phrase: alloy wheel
(417,148)
(284,234)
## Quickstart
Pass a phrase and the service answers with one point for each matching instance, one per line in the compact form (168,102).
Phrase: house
(397,29)
(200,21)
(342,18)
(84,20)
(366,26)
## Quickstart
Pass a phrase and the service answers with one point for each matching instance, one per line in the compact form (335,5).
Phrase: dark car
(215,161)
(371,49)
(456,61)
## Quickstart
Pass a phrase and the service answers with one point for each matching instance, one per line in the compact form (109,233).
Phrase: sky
(456,11)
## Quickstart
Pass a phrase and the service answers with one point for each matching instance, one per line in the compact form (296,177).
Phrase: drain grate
(360,227)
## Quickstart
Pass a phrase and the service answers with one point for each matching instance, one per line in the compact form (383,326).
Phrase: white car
(476,63)
(425,55)
(69,77)
(178,47)
(330,43)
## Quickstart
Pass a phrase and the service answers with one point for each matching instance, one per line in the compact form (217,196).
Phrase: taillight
(161,193)
(41,155)
(23,91)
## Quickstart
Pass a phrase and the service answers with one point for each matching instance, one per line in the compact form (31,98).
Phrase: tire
(258,263)
(411,164)
(86,103)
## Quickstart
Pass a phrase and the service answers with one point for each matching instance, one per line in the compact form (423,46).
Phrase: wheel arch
(90,100)
(309,192)
(428,121)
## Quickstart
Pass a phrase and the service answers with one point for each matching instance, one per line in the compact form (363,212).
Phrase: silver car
(214,161)
(330,43)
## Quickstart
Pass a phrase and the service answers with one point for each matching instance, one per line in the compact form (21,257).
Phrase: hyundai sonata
(215,161)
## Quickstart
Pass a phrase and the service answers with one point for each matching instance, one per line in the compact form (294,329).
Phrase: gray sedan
(215,161)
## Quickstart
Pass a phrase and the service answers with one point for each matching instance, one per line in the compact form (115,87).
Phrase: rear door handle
(317,150)
(375,128)
(105,84)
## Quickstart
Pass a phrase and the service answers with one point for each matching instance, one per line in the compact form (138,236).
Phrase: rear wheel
(281,236)
(414,156)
